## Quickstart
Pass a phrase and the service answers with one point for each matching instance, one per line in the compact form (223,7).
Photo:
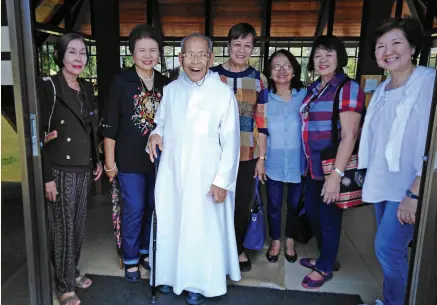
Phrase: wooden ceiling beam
(209,18)
(322,19)
(265,28)
(331,17)
(68,12)
(74,14)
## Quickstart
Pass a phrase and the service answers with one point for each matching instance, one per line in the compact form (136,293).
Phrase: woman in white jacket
(392,146)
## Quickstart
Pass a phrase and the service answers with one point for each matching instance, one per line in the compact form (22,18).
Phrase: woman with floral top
(251,90)
(126,124)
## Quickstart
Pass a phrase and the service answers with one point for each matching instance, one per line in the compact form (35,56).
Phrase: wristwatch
(263,157)
(411,195)
(339,172)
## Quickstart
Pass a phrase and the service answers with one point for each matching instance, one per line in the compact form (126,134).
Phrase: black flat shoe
(272,258)
(291,258)
(246,266)
(336,267)
(306,262)
(165,289)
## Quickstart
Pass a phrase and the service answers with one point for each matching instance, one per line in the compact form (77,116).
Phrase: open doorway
(360,273)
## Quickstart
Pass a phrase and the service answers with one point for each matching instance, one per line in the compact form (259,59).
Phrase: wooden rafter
(322,18)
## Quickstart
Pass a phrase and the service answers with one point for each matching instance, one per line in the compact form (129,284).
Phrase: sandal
(309,283)
(132,276)
(83,282)
(68,300)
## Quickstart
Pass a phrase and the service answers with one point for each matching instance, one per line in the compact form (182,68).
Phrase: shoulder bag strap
(258,203)
(336,113)
(54,101)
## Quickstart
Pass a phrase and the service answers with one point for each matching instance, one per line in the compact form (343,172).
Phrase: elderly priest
(198,133)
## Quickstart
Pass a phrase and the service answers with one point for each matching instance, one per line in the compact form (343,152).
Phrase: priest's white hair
(200,36)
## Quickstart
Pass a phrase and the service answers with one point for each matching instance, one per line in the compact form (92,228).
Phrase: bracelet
(339,172)
(109,170)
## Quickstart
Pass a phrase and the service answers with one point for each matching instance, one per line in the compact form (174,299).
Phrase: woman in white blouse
(392,146)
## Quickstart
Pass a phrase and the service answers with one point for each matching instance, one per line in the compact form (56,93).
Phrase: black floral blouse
(128,119)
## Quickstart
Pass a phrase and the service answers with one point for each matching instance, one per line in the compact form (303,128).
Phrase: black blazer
(74,142)
(117,121)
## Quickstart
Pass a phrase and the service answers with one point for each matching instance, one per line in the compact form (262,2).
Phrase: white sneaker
(377,302)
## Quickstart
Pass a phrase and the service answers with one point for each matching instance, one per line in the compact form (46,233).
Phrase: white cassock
(196,247)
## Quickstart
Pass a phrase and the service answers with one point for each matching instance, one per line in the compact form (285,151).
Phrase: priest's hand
(218,194)
(154,140)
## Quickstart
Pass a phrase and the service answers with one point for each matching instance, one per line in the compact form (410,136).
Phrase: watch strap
(411,195)
(339,172)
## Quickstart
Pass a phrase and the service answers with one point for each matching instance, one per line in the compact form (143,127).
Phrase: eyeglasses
(192,56)
(278,67)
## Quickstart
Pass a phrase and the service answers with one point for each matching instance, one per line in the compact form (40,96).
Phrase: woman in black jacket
(126,124)
(69,153)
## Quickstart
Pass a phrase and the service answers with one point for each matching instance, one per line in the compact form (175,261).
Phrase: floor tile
(368,293)
(355,272)
(264,273)
(359,220)
(364,242)
(374,267)
(359,272)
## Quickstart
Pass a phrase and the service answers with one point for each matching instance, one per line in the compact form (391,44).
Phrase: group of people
(218,129)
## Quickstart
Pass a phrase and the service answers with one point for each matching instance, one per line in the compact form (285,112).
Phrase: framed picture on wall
(369,83)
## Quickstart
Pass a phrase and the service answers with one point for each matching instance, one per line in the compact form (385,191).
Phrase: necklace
(147,79)
(385,97)
(143,85)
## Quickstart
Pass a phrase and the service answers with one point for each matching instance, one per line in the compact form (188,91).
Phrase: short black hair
(411,28)
(145,31)
(61,46)
(242,30)
(331,43)
(295,83)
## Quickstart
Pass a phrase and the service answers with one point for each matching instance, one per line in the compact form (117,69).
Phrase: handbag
(301,226)
(50,135)
(256,230)
(352,182)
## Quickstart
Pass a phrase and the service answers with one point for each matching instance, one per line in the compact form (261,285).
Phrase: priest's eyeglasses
(192,56)
(278,67)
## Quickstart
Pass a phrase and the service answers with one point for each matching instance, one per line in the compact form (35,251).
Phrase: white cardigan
(403,111)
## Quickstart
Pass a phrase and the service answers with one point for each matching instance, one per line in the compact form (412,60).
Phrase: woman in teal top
(285,161)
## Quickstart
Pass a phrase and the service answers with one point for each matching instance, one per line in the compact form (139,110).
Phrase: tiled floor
(360,272)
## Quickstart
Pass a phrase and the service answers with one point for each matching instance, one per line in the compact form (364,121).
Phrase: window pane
(306,51)
(218,51)
(296,51)
(256,51)
(351,67)
(168,50)
(350,51)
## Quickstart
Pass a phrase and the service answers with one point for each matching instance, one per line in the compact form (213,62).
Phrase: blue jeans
(137,191)
(391,247)
(275,191)
(325,220)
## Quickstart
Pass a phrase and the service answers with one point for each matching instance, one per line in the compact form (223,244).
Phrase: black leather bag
(302,232)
